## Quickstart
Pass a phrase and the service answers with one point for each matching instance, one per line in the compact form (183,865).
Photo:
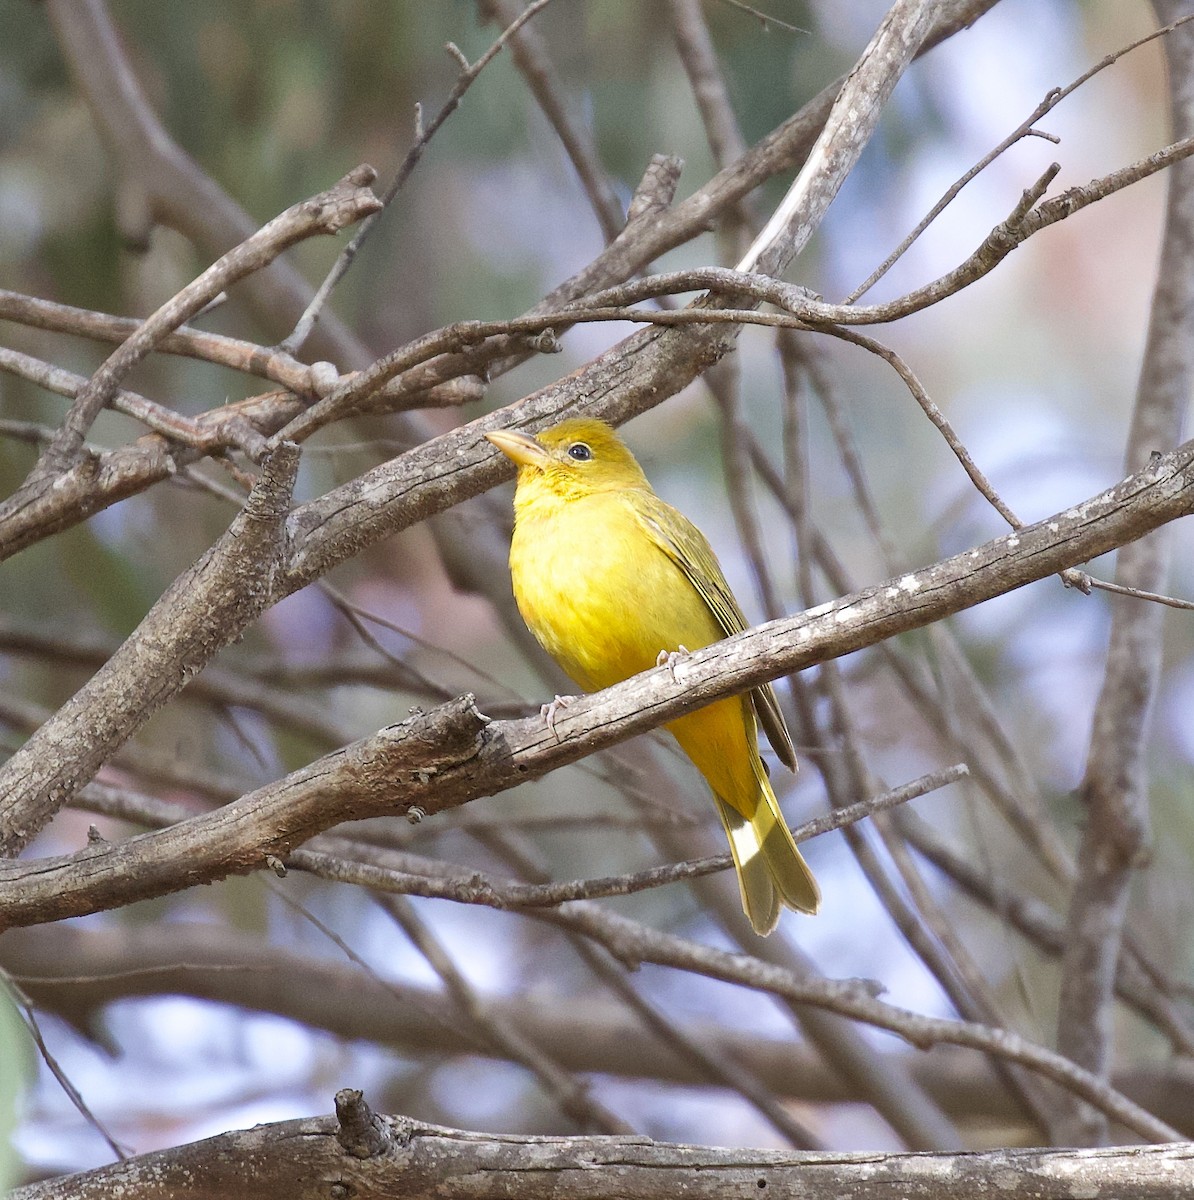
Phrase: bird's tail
(771,870)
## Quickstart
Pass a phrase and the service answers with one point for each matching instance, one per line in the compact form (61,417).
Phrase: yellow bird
(609,578)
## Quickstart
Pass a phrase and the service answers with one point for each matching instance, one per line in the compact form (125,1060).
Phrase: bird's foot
(669,659)
(548,712)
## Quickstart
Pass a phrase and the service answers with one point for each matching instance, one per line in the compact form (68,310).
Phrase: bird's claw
(548,712)
(669,659)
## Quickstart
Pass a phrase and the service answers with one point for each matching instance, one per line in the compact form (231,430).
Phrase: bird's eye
(580,452)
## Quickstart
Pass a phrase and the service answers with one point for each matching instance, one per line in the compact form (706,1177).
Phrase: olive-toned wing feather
(687,547)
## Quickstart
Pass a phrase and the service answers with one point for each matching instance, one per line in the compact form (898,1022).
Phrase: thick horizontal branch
(365,779)
(491,758)
(353,784)
(395,1156)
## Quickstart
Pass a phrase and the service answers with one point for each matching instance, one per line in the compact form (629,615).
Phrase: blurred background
(181,1022)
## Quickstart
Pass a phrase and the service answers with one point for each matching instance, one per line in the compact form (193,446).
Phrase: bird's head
(572,459)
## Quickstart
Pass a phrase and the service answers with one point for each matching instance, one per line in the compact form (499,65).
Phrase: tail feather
(760,900)
(771,871)
(793,879)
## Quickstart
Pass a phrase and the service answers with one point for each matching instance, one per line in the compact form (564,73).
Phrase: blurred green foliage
(16,1069)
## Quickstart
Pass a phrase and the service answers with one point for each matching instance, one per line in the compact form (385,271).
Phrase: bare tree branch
(847,129)
(175,640)
(169,186)
(530,53)
(73,972)
(327,213)
(1115,786)
(573,1095)
(33,788)
(295,1160)
(243,356)
(306,323)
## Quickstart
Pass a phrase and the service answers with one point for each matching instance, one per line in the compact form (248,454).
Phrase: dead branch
(295,1160)
(35,785)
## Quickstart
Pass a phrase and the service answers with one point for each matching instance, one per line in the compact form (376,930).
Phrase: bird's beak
(519,448)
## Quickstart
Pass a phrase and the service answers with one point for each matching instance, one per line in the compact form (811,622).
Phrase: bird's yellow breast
(597,592)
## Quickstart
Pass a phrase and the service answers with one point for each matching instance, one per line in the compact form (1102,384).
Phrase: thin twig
(404,996)
(327,213)
(530,54)
(710,1062)
(571,1094)
(356,615)
(412,875)
(29,1016)
(765,19)
(187,431)
(1025,129)
(235,353)
(937,417)
(1115,787)
(630,942)
(294,342)
(1119,589)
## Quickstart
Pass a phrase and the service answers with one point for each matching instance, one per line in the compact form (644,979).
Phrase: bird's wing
(687,547)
